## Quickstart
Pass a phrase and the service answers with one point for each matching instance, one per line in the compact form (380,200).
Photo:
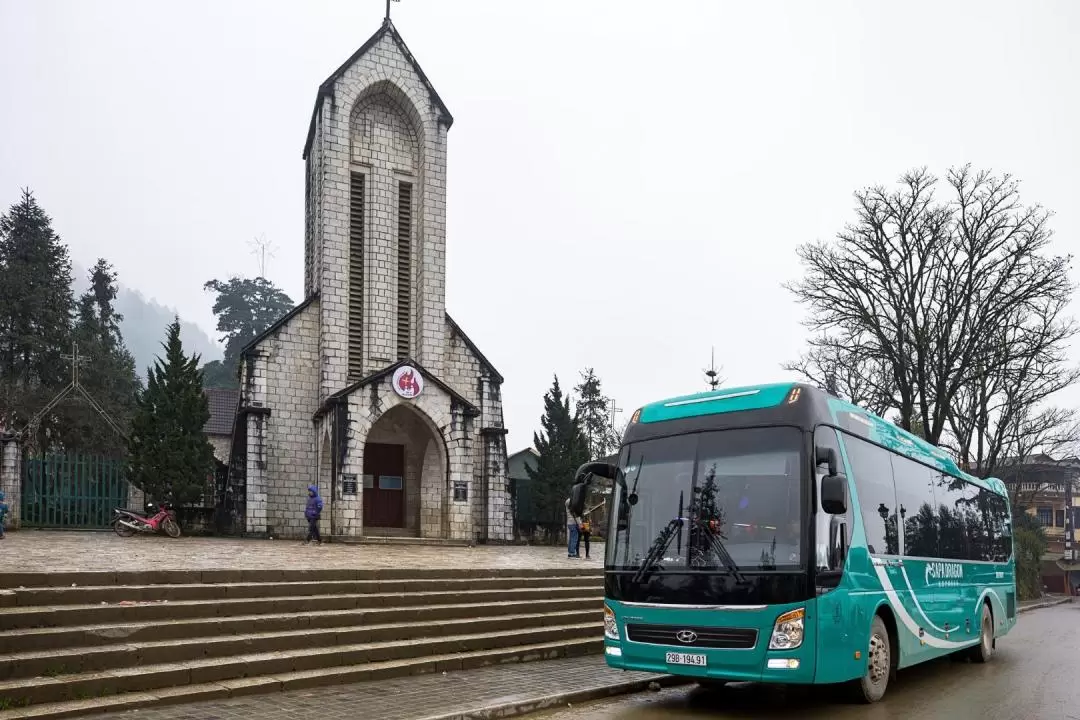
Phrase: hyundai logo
(686,636)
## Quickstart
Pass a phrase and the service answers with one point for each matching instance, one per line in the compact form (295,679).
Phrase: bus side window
(833,531)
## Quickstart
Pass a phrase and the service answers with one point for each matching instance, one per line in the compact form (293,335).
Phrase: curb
(1041,605)
(531,705)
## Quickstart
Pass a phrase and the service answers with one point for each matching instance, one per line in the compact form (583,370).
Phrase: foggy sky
(627,180)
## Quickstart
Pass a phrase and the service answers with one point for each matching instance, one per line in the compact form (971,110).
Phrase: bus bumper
(648,637)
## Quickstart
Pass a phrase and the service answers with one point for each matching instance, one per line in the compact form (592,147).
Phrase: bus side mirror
(600,469)
(826,456)
(834,494)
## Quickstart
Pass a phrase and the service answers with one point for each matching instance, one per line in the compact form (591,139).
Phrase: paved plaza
(43,551)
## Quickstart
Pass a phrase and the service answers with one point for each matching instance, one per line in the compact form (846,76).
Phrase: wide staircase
(80,643)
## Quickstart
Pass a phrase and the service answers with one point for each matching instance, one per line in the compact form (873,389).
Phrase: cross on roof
(388,7)
(614,411)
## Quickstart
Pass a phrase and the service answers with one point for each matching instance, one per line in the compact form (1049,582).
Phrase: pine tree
(35,317)
(592,409)
(109,375)
(562,448)
(168,454)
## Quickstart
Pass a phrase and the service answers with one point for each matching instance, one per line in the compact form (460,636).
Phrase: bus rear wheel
(871,687)
(984,651)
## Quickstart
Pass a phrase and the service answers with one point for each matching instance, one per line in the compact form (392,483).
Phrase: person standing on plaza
(585,533)
(3,515)
(312,513)
(573,526)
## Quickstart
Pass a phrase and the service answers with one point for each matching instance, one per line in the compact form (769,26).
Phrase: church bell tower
(375,249)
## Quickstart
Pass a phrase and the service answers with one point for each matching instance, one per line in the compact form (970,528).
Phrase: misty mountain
(143,326)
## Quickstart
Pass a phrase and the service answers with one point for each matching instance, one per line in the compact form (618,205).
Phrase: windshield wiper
(660,545)
(717,546)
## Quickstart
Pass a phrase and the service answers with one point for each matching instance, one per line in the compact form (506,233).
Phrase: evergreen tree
(35,317)
(592,410)
(244,308)
(562,448)
(109,374)
(168,454)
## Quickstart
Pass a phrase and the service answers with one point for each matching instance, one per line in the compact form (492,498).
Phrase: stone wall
(383,76)
(313,187)
(464,370)
(282,383)
(477,382)
(11,478)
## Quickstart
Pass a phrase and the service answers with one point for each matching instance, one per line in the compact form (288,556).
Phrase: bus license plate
(678,658)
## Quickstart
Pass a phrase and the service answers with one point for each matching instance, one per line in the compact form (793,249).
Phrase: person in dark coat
(313,512)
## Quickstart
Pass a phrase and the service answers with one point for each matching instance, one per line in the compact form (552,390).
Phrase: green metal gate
(73,491)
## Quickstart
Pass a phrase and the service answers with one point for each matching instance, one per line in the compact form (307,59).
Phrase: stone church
(368,388)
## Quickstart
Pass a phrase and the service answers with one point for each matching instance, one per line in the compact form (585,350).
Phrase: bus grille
(707,637)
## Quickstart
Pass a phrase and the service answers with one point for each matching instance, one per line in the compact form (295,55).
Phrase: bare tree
(1002,412)
(949,312)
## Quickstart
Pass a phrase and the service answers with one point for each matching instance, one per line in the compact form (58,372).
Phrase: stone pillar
(136,498)
(500,521)
(11,478)
(253,404)
(255,474)
(459,511)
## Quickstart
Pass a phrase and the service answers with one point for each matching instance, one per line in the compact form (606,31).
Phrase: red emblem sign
(408,382)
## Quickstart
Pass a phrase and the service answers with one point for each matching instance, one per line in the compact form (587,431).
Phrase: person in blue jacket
(313,512)
(3,514)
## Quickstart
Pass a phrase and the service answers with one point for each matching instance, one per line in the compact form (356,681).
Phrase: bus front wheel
(984,651)
(871,687)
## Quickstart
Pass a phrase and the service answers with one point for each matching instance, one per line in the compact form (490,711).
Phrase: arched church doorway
(404,478)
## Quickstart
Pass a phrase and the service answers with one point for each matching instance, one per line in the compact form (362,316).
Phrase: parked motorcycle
(127,522)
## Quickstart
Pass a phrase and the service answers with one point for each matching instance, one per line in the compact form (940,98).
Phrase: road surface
(1035,675)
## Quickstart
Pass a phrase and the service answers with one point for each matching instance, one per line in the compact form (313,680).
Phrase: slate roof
(223,402)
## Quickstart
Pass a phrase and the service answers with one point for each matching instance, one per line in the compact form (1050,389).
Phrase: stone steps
(47,638)
(302,679)
(75,595)
(68,648)
(96,578)
(66,615)
(86,659)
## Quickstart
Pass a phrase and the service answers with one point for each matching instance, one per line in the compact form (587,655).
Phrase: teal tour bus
(778,534)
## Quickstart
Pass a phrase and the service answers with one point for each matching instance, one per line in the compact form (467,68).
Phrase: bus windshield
(723,501)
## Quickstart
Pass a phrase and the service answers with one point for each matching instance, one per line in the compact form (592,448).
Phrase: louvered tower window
(356,276)
(404,268)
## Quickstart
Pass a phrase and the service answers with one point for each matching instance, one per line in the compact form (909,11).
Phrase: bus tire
(984,651)
(879,665)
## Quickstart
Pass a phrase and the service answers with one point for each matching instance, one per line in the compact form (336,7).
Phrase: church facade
(368,389)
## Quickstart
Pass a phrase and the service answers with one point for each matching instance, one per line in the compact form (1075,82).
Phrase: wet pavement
(44,551)
(1034,676)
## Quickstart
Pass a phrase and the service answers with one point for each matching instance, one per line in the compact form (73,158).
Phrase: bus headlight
(788,631)
(611,628)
